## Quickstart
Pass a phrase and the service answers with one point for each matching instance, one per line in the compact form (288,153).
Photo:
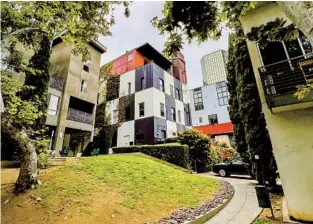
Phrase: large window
(222,93)
(213,119)
(127,113)
(162,111)
(53,105)
(177,94)
(172,90)
(141,109)
(173,114)
(197,98)
(161,81)
(115,116)
(179,115)
(83,87)
(142,83)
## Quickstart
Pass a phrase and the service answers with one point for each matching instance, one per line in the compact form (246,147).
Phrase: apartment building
(208,107)
(151,102)
(72,96)
(278,69)
(213,67)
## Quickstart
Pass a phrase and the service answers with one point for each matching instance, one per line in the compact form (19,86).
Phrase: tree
(36,25)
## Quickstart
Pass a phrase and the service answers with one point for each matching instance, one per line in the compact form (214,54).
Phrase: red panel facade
(179,67)
(216,129)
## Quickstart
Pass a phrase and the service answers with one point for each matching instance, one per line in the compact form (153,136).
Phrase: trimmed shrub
(172,153)
(199,149)
(171,140)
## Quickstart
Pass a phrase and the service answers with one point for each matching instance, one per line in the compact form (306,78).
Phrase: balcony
(280,80)
(79,116)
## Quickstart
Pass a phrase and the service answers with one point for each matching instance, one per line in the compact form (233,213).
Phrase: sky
(131,32)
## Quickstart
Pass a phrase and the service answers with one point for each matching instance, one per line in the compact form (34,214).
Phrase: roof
(216,129)
(95,44)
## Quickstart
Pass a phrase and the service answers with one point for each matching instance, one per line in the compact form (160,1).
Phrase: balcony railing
(280,80)
(80,116)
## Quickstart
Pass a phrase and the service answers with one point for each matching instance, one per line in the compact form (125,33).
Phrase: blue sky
(131,32)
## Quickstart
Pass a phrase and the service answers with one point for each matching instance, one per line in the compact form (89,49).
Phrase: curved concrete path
(243,208)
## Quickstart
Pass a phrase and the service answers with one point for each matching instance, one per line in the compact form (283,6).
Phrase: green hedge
(172,153)
(171,140)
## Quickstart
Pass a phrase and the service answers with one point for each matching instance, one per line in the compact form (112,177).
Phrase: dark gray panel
(169,102)
(144,127)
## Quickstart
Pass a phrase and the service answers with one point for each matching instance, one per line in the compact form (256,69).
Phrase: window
(142,83)
(172,90)
(87,65)
(200,119)
(163,134)
(53,105)
(141,109)
(173,114)
(222,93)
(179,115)
(161,84)
(129,88)
(83,87)
(213,119)
(197,97)
(177,94)
(115,116)
(130,57)
(162,110)
(127,113)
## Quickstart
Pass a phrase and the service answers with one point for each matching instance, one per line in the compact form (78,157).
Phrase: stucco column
(58,140)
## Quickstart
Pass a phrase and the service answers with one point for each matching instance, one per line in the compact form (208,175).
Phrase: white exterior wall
(158,97)
(110,107)
(128,77)
(210,106)
(290,128)
(171,129)
(145,96)
(185,93)
(168,81)
(125,133)
(180,106)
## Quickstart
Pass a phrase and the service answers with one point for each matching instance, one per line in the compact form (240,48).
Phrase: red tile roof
(216,129)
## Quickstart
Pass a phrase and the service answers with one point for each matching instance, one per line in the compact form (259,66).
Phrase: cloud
(129,33)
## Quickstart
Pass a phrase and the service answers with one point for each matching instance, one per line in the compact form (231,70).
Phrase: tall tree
(31,23)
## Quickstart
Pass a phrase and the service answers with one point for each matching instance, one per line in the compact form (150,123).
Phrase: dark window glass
(141,109)
(293,48)
(213,119)
(86,68)
(197,97)
(222,93)
(200,119)
(162,109)
(177,94)
(173,114)
(272,53)
(127,113)
(161,81)
(142,83)
(172,90)
(129,88)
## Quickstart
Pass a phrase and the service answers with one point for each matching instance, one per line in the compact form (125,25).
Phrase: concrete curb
(204,218)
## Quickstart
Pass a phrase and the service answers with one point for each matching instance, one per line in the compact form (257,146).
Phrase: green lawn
(118,189)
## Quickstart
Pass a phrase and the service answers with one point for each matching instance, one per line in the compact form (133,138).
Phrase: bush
(171,140)
(42,160)
(226,152)
(199,149)
(172,153)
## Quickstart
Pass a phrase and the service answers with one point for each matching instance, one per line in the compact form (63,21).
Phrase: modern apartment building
(150,101)
(278,69)
(72,94)
(213,67)
(208,107)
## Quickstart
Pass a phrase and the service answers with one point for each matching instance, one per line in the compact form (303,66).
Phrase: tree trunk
(28,158)
(301,14)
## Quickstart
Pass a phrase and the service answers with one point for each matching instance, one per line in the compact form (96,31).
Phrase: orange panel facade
(216,129)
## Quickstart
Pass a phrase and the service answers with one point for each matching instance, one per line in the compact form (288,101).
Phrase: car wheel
(222,173)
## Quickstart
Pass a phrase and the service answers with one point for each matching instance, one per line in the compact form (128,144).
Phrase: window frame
(173,114)
(179,115)
(177,93)
(198,99)
(129,88)
(172,90)
(52,111)
(115,116)
(142,109)
(84,86)
(222,93)
(142,83)
(162,110)
(212,119)
(161,83)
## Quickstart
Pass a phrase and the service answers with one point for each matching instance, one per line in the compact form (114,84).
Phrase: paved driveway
(243,208)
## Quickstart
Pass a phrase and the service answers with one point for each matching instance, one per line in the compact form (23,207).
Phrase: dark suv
(234,166)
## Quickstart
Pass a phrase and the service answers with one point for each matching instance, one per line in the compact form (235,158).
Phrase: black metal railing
(80,116)
(282,78)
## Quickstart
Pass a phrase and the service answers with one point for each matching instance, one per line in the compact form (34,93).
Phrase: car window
(237,161)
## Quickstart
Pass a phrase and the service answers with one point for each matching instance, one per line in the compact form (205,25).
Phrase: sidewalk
(243,208)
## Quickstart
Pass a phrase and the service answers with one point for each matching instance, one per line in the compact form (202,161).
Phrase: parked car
(234,166)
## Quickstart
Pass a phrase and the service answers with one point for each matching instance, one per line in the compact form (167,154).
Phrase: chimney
(179,67)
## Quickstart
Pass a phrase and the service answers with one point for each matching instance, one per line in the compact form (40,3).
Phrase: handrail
(80,116)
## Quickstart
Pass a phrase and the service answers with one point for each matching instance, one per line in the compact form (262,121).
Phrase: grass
(113,189)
